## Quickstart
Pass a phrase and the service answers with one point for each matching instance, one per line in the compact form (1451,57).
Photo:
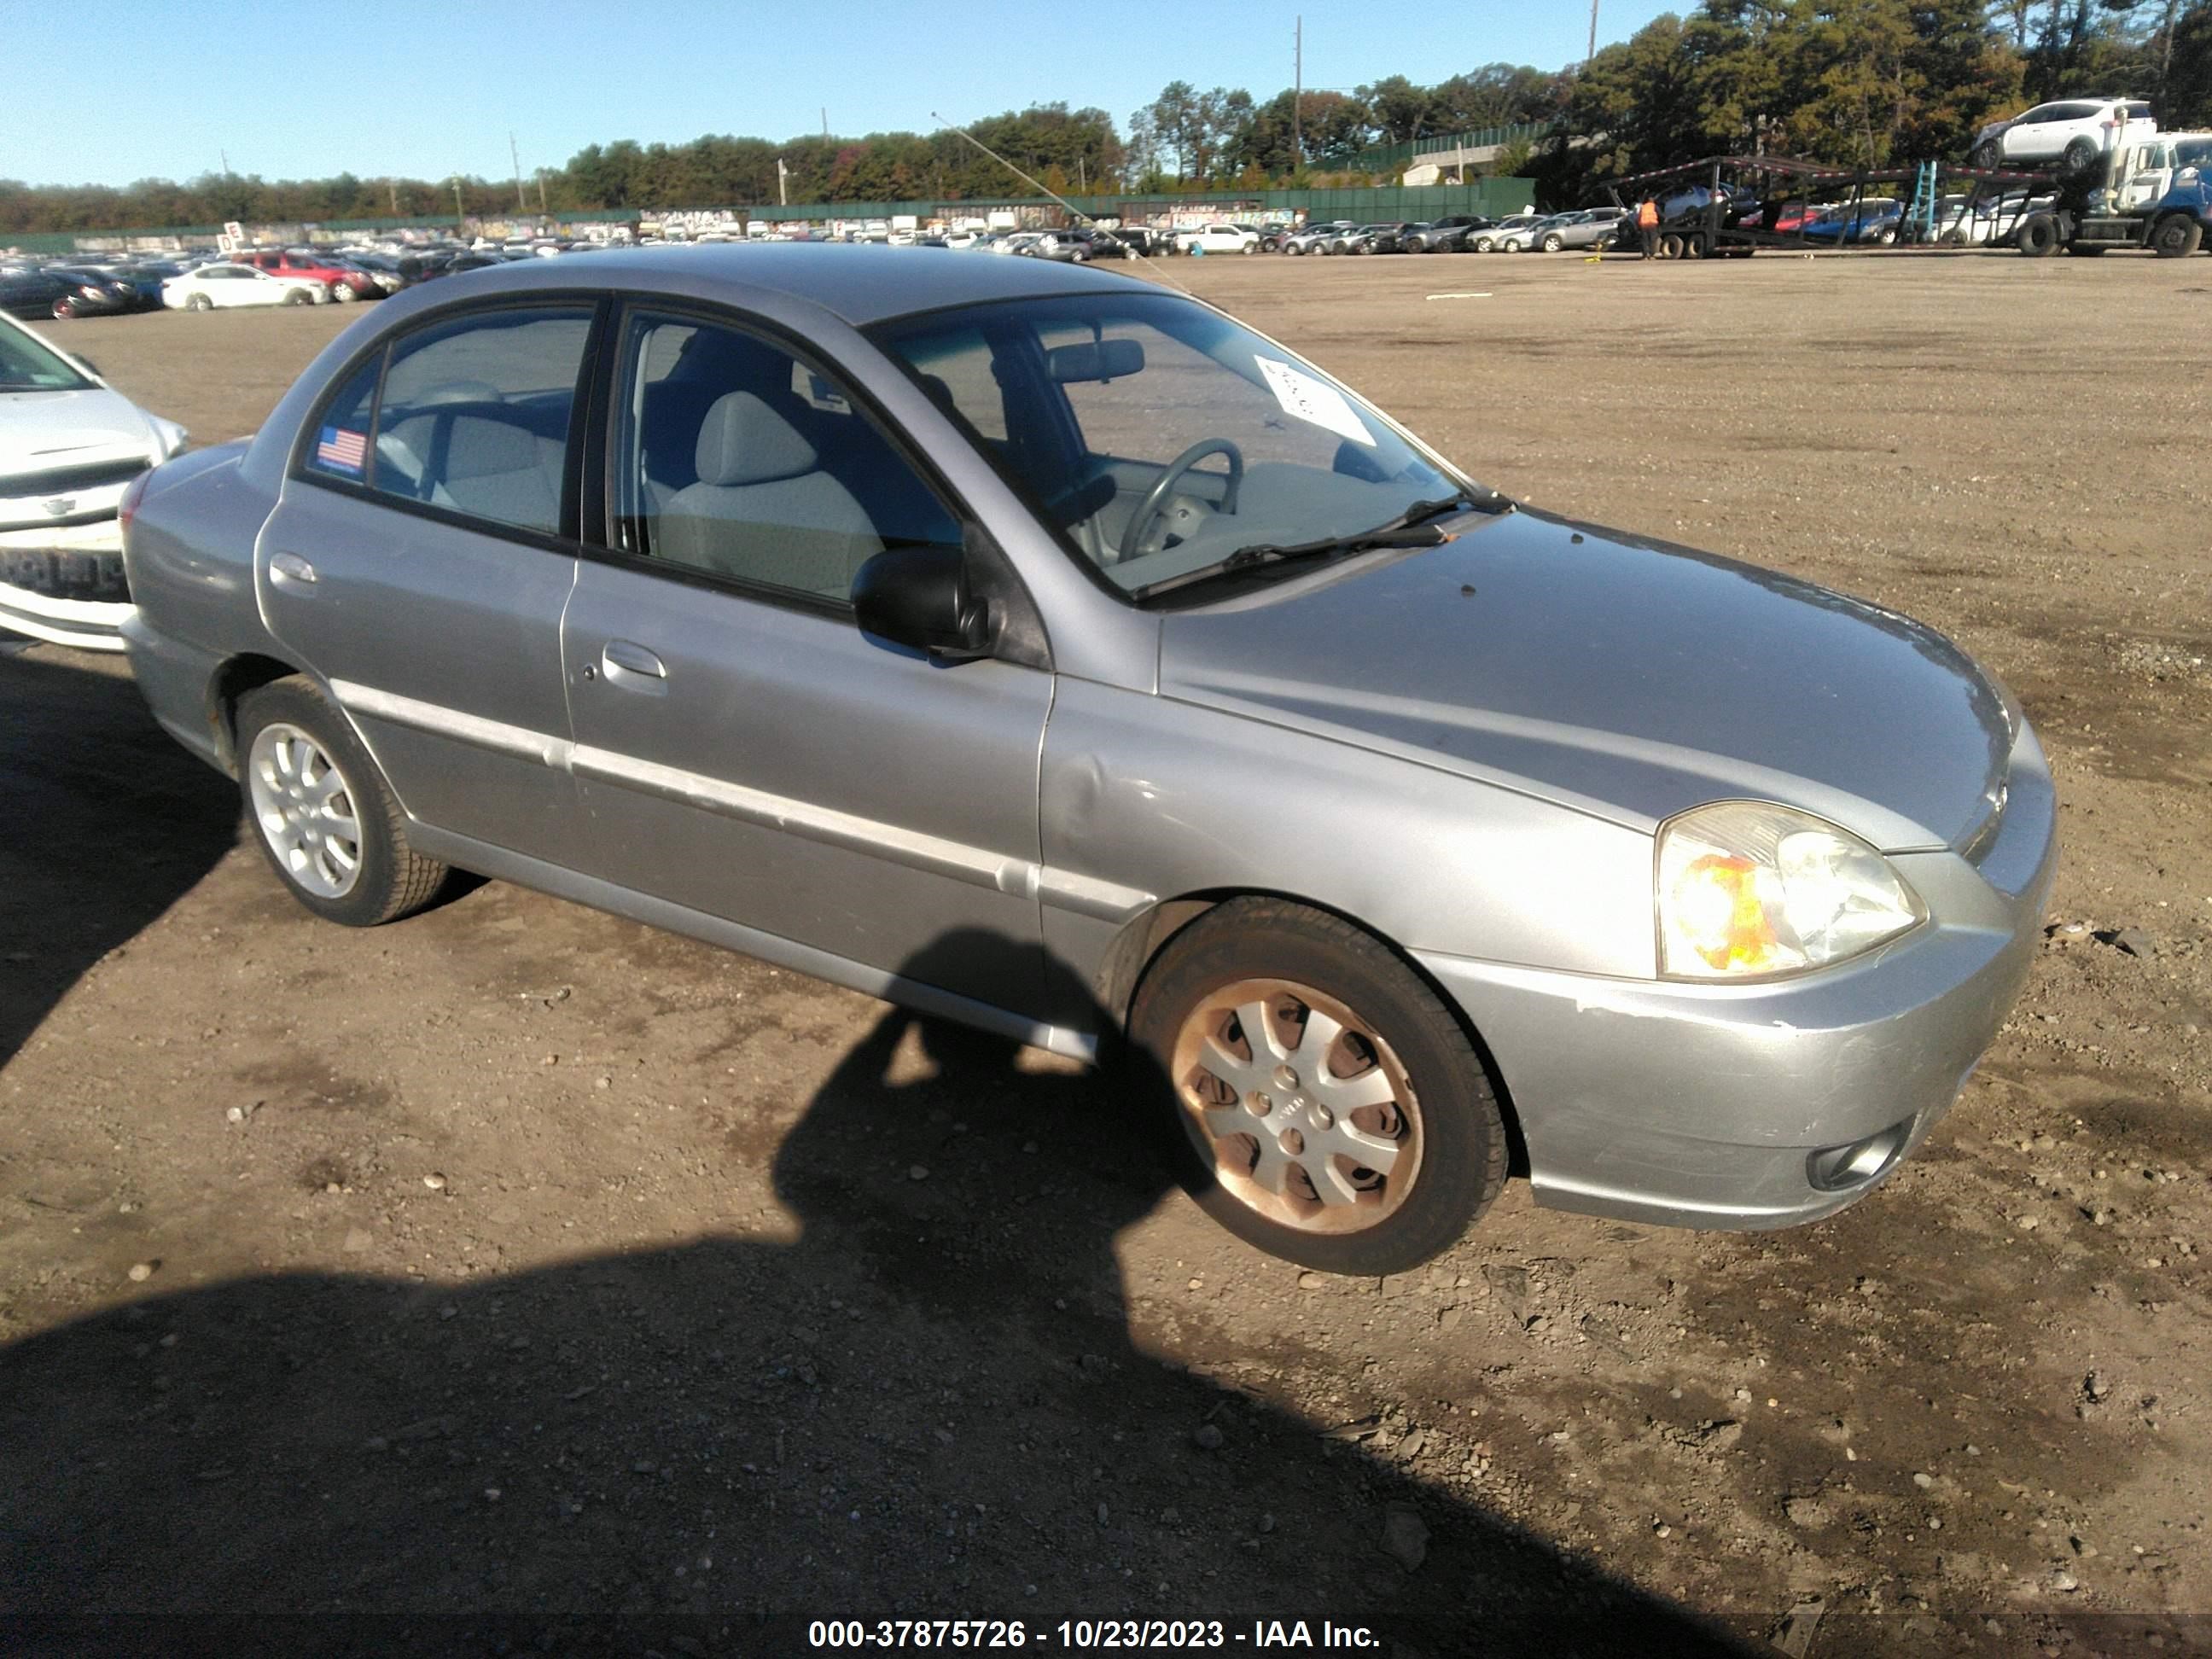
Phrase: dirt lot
(515,1269)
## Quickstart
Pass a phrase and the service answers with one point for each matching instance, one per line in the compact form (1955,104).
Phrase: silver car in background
(1048,651)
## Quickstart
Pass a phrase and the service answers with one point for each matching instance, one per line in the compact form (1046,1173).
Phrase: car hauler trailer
(1730,206)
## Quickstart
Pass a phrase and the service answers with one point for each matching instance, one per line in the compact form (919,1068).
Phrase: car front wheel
(1330,1109)
(2177,237)
(1553,243)
(322,814)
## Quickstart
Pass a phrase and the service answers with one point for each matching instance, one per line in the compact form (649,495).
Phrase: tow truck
(2149,190)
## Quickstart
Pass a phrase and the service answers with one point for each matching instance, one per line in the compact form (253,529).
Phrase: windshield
(1157,436)
(28,364)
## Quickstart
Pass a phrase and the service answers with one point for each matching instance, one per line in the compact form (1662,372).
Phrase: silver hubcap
(1304,1111)
(306,811)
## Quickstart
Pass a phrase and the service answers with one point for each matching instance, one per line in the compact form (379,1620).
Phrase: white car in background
(221,286)
(69,447)
(1217,239)
(2074,131)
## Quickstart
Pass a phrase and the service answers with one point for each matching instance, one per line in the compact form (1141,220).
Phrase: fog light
(1836,1168)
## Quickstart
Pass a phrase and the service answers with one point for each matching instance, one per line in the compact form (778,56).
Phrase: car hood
(43,429)
(1630,678)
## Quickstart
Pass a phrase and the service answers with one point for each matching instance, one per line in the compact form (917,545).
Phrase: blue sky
(425,91)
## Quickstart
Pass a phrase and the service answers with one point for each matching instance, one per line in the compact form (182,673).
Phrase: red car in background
(340,283)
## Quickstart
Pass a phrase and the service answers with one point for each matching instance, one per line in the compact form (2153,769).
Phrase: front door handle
(290,568)
(631,664)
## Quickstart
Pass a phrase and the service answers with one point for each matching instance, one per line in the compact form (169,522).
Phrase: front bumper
(64,585)
(1704,1105)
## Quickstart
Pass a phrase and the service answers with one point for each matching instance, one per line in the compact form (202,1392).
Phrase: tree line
(1859,82)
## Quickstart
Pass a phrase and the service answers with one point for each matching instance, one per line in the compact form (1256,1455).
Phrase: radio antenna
(1040,188)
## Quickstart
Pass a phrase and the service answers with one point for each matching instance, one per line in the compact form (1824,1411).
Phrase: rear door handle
(633,666)
(290,566)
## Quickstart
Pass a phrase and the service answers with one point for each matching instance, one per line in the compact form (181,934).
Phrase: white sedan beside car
(221,286)
(70,446)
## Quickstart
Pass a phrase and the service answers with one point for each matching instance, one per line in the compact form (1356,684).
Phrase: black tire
(393,880)
(2177,237)
(2038,237)
(1460,1131)
(63,309)
(2081,155)
(1987,156)
(2089,250)
(1670,246)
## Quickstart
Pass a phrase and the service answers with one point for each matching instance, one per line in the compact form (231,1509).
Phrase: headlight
(1747,890)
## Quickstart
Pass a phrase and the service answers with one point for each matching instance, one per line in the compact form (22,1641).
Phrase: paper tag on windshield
(1314,402)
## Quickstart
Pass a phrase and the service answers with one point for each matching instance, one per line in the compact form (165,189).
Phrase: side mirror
(919,597)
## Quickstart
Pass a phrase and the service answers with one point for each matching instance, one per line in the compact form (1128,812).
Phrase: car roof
(860,285)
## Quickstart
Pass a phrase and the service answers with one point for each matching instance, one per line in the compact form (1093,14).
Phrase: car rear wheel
(322,814)
(2039,237)
(1330,1109)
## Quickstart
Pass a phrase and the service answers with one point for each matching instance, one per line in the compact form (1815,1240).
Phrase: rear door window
(471,416)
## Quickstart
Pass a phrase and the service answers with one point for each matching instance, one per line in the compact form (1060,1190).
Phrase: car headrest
(479,448)
(744,441)
(456,392)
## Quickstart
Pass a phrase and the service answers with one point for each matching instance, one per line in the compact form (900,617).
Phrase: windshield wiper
(1414,527)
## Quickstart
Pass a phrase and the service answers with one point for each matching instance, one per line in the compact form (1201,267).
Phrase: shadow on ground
(929,1405)
(107,822)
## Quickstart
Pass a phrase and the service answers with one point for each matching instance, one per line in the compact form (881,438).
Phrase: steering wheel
(1163,486)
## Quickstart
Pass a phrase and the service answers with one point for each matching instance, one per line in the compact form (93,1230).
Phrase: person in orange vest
(1647,226)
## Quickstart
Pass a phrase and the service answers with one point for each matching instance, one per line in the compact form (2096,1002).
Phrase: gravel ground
(522,1277)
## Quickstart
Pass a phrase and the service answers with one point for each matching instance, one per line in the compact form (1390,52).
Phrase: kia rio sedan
(1045,650)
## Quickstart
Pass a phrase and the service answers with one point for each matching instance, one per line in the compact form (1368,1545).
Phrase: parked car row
(1461,233)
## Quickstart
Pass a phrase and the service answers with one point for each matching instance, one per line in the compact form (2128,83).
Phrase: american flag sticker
(342,451)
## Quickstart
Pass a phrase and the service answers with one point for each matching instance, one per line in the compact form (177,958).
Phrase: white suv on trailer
(2074,131)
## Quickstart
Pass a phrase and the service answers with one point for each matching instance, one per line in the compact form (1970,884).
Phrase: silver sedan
(1049,652)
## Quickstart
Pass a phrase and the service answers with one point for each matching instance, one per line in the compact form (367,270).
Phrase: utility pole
(825,124)
(226,162)
(1297,91)
(1593,44)
(542,208)
(392,185)
(521,201)
(782,184)
(459,212)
